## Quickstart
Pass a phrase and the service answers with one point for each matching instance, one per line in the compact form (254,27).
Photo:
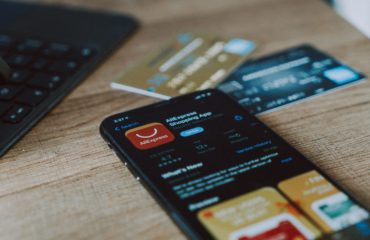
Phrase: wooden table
(61,181)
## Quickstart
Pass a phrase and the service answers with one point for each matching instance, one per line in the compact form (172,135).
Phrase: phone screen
(221,173)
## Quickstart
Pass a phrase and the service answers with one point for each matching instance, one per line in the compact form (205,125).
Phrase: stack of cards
(195,61)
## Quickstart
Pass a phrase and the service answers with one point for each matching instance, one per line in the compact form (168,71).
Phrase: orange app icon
(149,136)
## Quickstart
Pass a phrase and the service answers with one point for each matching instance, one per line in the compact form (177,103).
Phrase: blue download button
(191,132)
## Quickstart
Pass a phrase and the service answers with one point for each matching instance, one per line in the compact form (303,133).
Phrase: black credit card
(286,77)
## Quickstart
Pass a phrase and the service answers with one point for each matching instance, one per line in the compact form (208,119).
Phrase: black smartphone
(220,173)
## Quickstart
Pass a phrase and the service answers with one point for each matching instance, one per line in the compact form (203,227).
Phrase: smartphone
(220,173)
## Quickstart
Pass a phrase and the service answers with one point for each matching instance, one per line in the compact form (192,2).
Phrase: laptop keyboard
(38,69)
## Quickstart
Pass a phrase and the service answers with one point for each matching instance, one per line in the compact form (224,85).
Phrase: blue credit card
(286,77)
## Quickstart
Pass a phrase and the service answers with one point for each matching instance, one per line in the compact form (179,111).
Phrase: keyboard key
(19,60)
(45,81)
(64,67)
(8,92)
(57,50)
(82,54)
(40,64)
(4,107)
(30,46)
(6,42)
(19,76)
(16,114)
(30,96)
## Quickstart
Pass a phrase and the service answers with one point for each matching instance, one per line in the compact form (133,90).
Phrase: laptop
(50,50)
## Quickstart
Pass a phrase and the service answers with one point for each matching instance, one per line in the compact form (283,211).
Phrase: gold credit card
(190,62)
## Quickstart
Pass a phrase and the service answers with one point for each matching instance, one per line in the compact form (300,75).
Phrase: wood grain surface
(61,181)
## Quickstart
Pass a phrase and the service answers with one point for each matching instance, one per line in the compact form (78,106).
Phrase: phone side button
(133,172)
(126,164)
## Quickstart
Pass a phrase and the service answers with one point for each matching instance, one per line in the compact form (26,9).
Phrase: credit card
(287,77)
(191,61)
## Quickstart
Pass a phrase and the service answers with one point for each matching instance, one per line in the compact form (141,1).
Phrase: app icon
(149,136)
